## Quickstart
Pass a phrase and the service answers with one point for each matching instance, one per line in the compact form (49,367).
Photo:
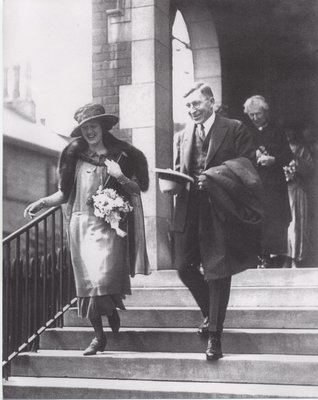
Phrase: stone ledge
(25,387)
(249,278)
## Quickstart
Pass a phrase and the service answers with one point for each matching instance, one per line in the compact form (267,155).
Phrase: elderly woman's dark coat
(277,215)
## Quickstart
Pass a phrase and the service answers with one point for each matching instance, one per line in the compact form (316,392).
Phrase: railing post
(17,321)
(53,267)
(6,307)
(26,317)
(36,305)
(44,275)
(61,259)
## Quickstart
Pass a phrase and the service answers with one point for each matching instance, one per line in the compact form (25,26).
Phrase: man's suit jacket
(228,140)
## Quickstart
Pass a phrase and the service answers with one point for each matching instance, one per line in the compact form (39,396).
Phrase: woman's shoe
(114,321)
(203,329)
(95,346)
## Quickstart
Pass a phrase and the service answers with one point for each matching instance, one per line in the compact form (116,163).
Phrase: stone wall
(132,79)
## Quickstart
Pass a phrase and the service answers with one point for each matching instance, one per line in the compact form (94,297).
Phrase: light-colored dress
(99,256)
(298,233)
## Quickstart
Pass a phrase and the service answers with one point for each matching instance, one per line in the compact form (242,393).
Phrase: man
(272,155)
(208,228)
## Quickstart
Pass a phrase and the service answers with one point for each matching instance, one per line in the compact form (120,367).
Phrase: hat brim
(175,176)
(108,119)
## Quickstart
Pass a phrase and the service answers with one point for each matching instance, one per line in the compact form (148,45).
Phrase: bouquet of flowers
(111,207)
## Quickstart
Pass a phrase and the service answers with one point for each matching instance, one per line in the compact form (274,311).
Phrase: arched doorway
(202,45)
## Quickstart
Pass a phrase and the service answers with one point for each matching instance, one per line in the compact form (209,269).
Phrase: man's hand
(173,191)
(202,182)
(266,160)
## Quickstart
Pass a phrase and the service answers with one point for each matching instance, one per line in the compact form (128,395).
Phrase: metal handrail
(30,224)
(38,283)
(36,335)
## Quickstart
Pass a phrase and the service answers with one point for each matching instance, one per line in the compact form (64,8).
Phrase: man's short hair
(256,100)
(203,87)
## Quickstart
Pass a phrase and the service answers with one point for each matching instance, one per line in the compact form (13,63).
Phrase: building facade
(240,48)
(30,156)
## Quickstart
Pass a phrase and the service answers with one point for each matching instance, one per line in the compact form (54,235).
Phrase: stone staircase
(270,345)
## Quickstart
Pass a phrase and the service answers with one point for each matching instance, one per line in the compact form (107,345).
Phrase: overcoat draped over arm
(235,194)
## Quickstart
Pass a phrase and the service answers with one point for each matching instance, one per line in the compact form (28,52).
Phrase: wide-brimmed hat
(172,180)
(88,113)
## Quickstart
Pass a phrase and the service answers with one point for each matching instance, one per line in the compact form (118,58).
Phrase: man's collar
(208,123)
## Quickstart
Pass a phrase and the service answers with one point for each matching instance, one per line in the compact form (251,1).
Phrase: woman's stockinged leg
(97,324)
(114,321)
(99,342)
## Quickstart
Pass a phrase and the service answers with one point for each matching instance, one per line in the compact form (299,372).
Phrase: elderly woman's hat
(90,112)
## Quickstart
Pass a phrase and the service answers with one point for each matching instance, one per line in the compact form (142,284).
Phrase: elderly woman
(272,155)
(102,257)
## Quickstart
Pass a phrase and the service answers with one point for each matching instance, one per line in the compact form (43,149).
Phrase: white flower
(111,207)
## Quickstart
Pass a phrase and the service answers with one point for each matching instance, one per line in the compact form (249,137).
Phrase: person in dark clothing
(213,225)
(273,153)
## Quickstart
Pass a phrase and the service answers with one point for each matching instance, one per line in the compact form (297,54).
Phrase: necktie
(201,131)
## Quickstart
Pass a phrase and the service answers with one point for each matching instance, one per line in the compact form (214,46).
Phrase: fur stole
(70,155)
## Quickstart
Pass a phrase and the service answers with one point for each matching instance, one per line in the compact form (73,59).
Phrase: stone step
(190,317)
(72,388)
(250,277)
(233,368)
(185,340)
(240,297)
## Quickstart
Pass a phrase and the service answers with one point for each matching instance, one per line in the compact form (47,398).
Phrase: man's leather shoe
(203,329)
(114,321)
(95,346)
(263,263)
(214,350)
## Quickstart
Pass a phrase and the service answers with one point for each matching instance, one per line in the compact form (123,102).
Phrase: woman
(272,154)
(102,260)
(298,173)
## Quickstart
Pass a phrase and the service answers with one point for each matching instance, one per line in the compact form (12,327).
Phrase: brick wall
(111,64)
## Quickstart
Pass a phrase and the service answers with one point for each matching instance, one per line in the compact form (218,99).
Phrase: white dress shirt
(208,123)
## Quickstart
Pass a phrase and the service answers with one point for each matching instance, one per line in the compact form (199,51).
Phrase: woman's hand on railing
(55,199)
(34,208)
